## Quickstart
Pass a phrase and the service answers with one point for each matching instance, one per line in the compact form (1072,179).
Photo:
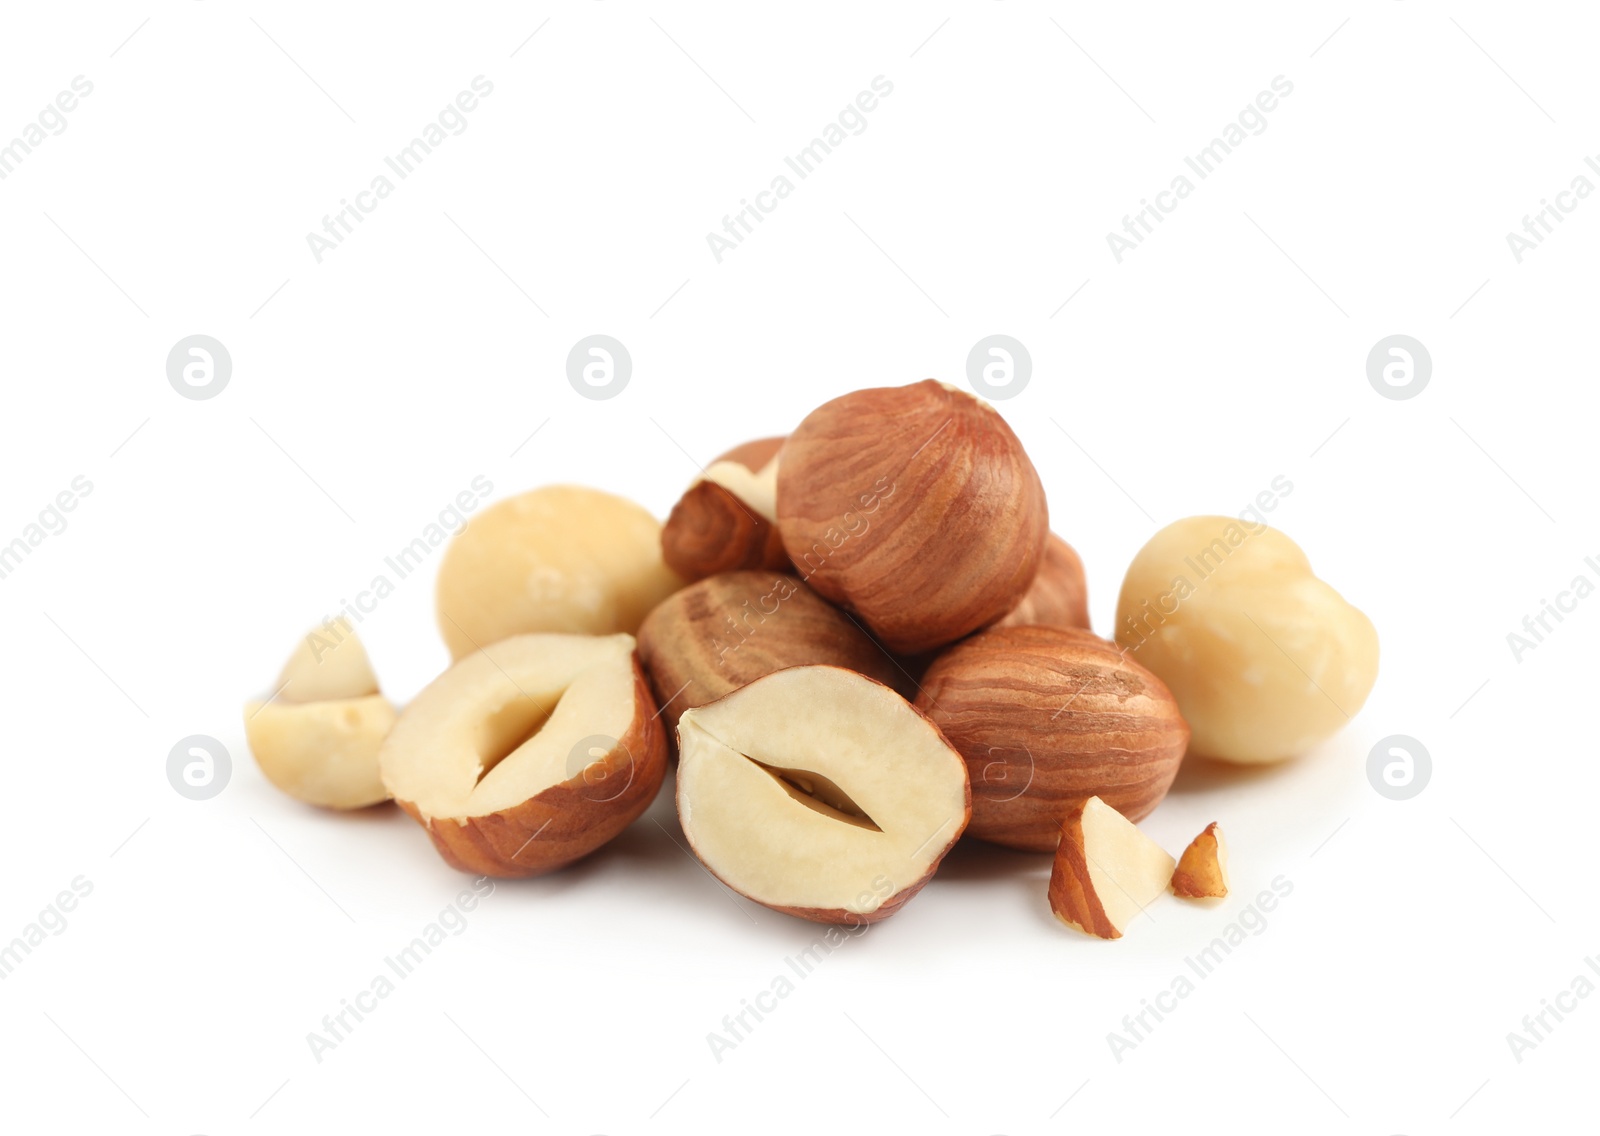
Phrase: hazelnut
(559,559)
(1059,595)
(1047,717)
(1265,659)
(728,630)
(728,518)
(914,507)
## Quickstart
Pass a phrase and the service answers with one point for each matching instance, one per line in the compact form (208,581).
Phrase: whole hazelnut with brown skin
(727,520)
(730,629)
(1059,596)
(914,507)
(1047,717)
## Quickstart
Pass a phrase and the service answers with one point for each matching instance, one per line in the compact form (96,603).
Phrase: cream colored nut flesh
(559,559)
(317,737)
(528,754)
(323,753)
(1106,871)
(757,489)
(328,662)
(820,793)
(1265,659)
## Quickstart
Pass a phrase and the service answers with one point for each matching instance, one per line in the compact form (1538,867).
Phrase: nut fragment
(1045,717)
(559,559)
(727,630)
(1059,595)
(728,519)
(1265,659)
(1106,871)
(820,793)
(914,507)
(1202,870)
(529,754)
(317,738)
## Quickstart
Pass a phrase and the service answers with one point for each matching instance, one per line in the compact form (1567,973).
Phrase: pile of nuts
(858,643)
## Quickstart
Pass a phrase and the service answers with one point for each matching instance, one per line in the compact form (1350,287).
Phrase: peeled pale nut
(529,754)
(559,559)
(1045,717)
(1059,594)
(1202,871)
(914,507)
(1106,871)
(819,793)
(317,738)
(727,630)
(728,519)
(1265,659)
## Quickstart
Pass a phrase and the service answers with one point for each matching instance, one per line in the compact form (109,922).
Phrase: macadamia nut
(1264,658)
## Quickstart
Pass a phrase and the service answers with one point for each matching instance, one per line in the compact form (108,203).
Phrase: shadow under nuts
(1047,717)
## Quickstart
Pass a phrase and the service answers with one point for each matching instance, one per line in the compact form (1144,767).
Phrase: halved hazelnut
(317,738)
(1045,717)
(820,793)
(727,630)
(916,508)
(529,754)
(558,559)
(728,519)
(1106,871)
(1202,871)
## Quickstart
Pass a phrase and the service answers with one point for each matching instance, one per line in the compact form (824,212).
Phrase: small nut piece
(728,519)
(317,738)
(819,793)
(1045,717)
(916,508)
(563,558)
(1059,596)
(1265,659)
(1106,871)
(529,754)
(1202,871)
(728,630)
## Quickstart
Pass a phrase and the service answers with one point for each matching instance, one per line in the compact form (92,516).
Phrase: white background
(369,389)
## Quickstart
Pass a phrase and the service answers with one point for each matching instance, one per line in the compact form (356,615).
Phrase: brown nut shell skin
(711,530)
(568,821)
(1047,717)
(916,508)
(730,629)
(1059,595)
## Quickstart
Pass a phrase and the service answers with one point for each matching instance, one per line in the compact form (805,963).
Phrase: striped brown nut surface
(731,629)
(1059,596)
(727,519)
(916,508)
(1047,717)
(529,754)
